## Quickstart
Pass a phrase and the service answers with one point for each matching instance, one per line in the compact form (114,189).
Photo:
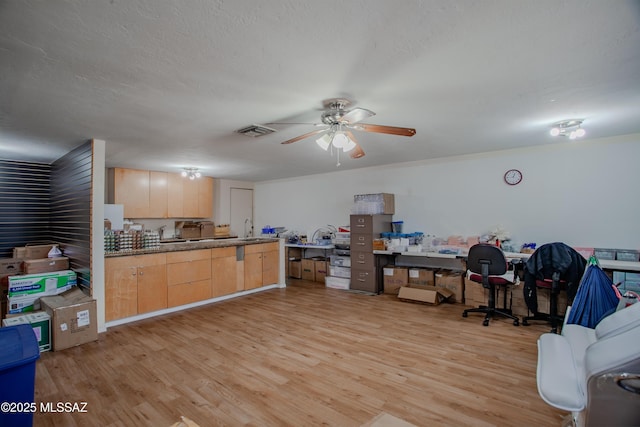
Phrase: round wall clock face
(513,176)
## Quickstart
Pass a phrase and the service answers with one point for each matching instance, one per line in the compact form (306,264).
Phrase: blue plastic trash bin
(18,354)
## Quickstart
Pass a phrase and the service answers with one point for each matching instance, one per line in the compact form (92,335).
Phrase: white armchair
(594,373)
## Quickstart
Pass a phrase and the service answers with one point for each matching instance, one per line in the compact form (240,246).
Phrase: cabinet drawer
(254,249)
(223,252)
(186,293)
(362,242)
(363,260)
(364,280)
(370,224)
(186,256)
(191,271)
(135,261)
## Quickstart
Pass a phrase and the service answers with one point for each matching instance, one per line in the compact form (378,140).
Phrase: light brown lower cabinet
(134,285)
(261,265)
(188,276)
(140,284)
(224,271)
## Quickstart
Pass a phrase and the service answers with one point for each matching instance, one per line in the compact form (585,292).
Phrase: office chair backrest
(556,257)
(484,253)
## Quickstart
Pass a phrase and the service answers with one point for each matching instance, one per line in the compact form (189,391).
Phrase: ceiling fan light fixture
(324,141)
(571,128)
(350,145)
(340,140)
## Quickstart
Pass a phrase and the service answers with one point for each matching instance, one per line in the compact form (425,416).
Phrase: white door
(241,212)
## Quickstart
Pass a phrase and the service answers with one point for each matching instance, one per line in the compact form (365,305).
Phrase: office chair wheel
(525,323)
(516,323)
(485,322)
(464,314)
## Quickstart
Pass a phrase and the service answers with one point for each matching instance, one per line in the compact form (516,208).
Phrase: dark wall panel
(24,204)
(71,178)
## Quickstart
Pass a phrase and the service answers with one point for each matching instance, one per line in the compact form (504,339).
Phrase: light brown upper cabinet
(151,194)
(190,198)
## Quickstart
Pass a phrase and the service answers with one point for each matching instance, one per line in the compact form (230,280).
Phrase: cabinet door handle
(361,262)
(141,273)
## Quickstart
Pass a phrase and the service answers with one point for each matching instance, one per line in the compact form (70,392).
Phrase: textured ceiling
(166,83)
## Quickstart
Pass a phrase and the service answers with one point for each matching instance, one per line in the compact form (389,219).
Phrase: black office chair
(487,265)
(555,267)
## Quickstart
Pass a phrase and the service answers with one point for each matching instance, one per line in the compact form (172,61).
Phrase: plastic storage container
(18,354)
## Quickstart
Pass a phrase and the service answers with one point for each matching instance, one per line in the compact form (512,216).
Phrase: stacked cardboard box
(45,265)
(26,290)
(41,324)
(394,278)
(421,276)
(452,281)
(8,267)
(476,295)
(73,318)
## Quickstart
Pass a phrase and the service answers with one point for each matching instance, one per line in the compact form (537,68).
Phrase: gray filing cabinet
(365,273)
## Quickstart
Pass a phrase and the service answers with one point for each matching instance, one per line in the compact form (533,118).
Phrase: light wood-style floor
(302,356)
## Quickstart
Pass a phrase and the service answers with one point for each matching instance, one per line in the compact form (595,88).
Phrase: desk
(304,248)
(446,261)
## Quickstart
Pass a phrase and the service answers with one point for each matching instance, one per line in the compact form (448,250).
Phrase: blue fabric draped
(595,298)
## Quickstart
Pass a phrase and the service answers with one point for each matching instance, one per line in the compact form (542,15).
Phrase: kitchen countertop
(193,245)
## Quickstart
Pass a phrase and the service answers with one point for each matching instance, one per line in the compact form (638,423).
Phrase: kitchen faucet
(250,232)
(161,231)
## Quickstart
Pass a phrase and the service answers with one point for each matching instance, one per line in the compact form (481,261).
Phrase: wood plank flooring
(301,356)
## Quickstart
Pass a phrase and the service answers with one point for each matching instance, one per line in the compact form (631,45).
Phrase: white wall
(584,193)
(97,231)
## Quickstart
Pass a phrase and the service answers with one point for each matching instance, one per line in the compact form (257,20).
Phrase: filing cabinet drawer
(370,224)
(363,260)
(364,280)
(362,242)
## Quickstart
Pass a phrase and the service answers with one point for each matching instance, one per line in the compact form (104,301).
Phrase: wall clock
(513,176)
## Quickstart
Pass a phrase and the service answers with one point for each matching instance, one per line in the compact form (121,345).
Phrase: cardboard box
(206,229)
(308,269)
(424,294)
(337,282)
(45,265)
(32,251)
(221,230)
(421,276)
(40,322)
(295,269)
(11,266)
(25,291)
(73,318)
(187,230)
(41,283)
(453,282)
(394,278)
(321,269)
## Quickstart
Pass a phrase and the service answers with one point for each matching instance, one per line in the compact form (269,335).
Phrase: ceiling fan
(338,121)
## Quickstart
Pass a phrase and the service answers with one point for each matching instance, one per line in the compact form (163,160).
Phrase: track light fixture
(571,128)
(191,173)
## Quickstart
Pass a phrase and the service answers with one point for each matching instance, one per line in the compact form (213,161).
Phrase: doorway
(242,212)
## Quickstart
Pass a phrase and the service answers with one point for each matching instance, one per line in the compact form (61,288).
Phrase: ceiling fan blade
(357,151)
(356,115)
(392,130)
(306,135)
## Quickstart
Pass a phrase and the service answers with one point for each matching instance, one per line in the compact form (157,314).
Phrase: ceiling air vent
(255,130)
